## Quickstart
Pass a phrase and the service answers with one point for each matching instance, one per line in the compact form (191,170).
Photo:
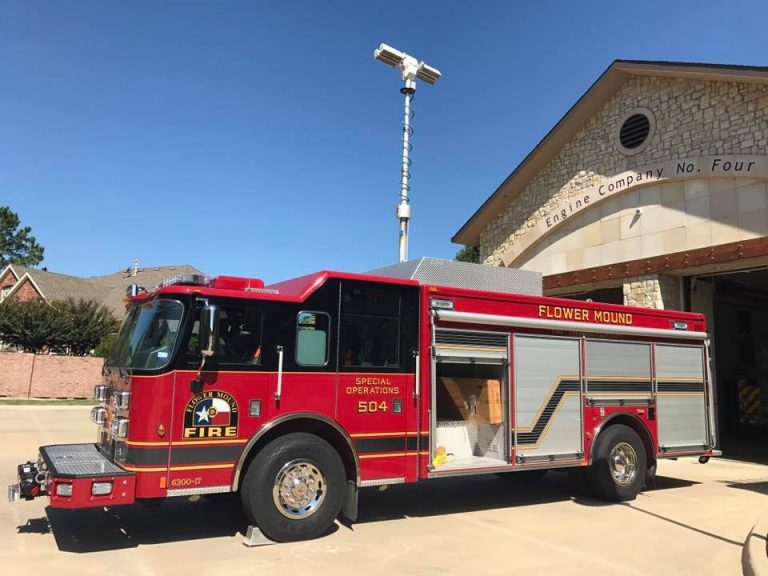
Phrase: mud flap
(349,506)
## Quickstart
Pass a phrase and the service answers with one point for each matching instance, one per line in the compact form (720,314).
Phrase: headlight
(100,393)
(119,427)
(64,490)
(101,488)
(122,399)
(99,415)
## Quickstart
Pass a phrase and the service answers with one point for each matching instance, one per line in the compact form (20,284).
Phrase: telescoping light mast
(410,70)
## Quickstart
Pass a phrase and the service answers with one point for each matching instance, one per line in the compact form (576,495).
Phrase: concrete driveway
(694,523)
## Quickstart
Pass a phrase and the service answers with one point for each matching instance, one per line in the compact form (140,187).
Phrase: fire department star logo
(202,415)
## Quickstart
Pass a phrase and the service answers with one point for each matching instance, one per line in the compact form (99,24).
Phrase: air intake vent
(466,338)
(634,132)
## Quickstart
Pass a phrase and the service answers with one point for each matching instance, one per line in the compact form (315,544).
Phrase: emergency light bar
(185,280)
(134,290)
(219,282)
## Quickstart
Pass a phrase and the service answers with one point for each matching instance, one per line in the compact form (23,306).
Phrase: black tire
(523,477)
(578,482)
(650,476)
(619,465)
(308,512)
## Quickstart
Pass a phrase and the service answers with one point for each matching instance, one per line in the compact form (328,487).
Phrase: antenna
(410,71)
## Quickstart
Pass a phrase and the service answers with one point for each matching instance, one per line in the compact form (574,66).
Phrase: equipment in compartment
(468,444)
(475,399)
(470,422)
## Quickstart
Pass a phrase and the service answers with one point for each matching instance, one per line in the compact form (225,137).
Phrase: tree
(104,348)
(468,254)
(17,246)
(76,326)
(87,323)
(33,326)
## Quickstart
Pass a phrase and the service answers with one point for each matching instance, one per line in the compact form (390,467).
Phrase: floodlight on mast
(410,71)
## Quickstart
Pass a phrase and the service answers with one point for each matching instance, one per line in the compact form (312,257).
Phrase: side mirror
(209,330)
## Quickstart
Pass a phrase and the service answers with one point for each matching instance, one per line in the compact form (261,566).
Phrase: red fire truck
(298,394)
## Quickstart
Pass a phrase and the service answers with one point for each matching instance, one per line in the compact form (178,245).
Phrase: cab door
(215,411)
(376,379)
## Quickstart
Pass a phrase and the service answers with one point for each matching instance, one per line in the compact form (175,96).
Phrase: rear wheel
(293,488)
(619,464)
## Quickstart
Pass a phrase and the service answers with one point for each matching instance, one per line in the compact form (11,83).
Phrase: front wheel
(293,488)
(619,464)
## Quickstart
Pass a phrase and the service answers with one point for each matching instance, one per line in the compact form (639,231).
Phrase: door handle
(279,391)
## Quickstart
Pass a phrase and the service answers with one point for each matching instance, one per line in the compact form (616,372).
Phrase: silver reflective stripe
(567,326)
(193,491)
(381,482)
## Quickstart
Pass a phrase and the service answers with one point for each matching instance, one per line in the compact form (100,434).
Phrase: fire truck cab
(298,394)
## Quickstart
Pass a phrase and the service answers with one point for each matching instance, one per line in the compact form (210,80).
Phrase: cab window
(370,326)
(240,335)
(312,329)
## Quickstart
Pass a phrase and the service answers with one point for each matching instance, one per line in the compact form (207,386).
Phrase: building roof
(585,107)
(108,290)
(149,276)
(54,286)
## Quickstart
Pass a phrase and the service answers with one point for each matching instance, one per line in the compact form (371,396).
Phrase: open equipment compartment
(470,400)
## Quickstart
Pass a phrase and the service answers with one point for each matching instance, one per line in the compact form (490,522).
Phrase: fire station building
(652,191)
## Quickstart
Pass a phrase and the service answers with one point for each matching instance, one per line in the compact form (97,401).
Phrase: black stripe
(388,444)
(533,436)
(673,386)
(147,456)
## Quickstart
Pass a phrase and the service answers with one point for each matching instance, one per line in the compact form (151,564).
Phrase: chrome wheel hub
(299,489)
(623,464)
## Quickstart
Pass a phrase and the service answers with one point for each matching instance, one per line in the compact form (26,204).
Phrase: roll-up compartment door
(680,399)
(618,372)
(547,398)
(471,346)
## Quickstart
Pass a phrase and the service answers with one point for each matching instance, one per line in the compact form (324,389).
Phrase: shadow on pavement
(178,519)
(466,494)
(667,482)
(35,526)
(97,529)
(757,485)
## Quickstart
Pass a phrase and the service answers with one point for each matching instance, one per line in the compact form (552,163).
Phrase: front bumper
(74,476)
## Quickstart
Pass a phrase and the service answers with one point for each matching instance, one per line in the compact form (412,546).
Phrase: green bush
(73,326)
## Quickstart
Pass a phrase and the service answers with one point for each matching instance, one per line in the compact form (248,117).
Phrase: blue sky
(262,138)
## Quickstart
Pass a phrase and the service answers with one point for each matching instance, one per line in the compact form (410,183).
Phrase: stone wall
(41,376)
(658,291)
(692,118)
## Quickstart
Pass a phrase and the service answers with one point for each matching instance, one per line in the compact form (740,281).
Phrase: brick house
(27,284)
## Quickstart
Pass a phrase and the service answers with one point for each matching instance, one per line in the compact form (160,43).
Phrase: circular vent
(634,132)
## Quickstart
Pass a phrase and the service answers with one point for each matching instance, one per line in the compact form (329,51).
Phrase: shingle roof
(109,289)
(56,286)
(148,277)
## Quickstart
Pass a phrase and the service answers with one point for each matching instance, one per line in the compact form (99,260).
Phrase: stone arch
(674,215)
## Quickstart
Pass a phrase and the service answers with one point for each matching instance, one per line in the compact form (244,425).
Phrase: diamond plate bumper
(81,466)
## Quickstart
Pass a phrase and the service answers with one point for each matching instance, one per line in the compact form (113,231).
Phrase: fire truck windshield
(148,335)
